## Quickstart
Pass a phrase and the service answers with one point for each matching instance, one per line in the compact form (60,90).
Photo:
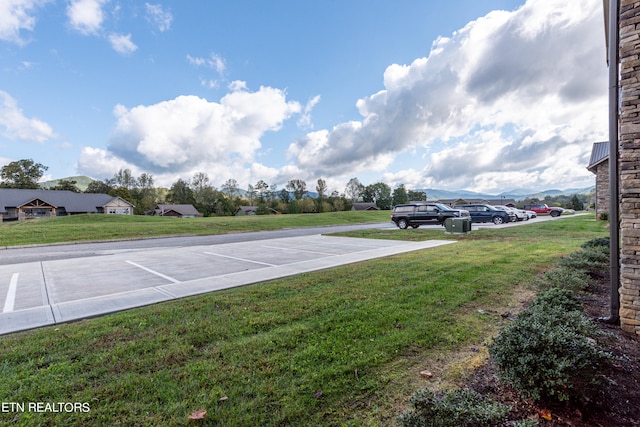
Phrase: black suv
(416,214)
(486,213)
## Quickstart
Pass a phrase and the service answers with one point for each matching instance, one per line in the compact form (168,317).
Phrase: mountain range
(517,194)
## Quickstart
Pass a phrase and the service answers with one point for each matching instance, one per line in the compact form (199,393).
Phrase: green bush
(453,408)
(549,352)
(565,278)
(556,299)
(592,259)
(596,242)
(573,272)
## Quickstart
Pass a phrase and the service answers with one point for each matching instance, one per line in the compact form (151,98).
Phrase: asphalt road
(37,253)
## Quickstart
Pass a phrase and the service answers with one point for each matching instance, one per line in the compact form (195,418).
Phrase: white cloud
(159,17)
(99,163)
(237,85)
(190,134)
(305,119)
(14,125)
(86,16)
(489,105)
(122,43)
(411,178)
(214,61)
(16,16)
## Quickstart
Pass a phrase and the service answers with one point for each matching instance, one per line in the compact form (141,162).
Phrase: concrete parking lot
(35,294)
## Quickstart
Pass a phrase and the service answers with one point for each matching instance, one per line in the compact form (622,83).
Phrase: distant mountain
(82,182)
(517,194)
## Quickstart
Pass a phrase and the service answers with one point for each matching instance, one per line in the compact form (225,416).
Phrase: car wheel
(403,224)
(497,220)
(554,213)
(415,225)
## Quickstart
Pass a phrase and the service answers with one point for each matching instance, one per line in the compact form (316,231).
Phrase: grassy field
(106,227)
(337,347)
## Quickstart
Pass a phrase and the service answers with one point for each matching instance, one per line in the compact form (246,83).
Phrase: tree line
(210,201)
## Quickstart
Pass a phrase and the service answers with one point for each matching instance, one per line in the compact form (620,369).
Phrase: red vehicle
(542,209)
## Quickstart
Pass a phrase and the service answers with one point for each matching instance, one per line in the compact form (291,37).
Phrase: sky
(487,96)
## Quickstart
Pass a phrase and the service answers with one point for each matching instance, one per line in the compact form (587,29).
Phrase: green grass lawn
(107,227)
(330,348)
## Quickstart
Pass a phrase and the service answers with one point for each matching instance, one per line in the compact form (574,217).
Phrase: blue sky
(486,95)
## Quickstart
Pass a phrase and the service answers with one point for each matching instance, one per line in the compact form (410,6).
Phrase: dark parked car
(416,214)
(486,213)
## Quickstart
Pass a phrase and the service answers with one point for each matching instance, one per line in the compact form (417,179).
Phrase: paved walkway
(36,294)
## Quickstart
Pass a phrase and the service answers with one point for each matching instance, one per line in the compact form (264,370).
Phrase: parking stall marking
(164,276)
(58,291)
(298,250)
(242,259)
(11,294)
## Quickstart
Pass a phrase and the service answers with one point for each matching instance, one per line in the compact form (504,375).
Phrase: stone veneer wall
(629,162)
(602,190)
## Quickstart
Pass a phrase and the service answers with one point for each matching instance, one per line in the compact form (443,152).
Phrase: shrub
(564,278)
(556,298)
(596,242)
(593,260)
(453,408)
(549,352)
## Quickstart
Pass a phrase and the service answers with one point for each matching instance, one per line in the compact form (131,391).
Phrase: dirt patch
(616,402)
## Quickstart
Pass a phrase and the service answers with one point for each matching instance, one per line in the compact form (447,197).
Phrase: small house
(177,211)
(20,204)
(599,165)
(358,206)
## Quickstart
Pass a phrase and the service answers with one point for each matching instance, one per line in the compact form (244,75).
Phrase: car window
(403,209)
(422,208)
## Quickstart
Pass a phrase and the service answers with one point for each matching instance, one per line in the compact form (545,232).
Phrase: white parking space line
(297,250)
(242,259)
(11,294)
(171,279)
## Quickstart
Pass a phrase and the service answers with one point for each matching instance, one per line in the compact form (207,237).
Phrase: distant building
(502,202)
(246,210)
(364,207)
(178,211)
(252,210)
(18,204)
(599,165)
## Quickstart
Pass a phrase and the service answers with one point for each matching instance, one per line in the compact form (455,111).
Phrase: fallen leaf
(545,414)
(198,415)
(426,374)
(317,394)
(223,398)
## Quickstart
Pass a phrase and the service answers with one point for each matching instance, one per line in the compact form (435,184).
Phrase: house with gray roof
(19,204)
(178,211)
(599,165)
(364,206)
